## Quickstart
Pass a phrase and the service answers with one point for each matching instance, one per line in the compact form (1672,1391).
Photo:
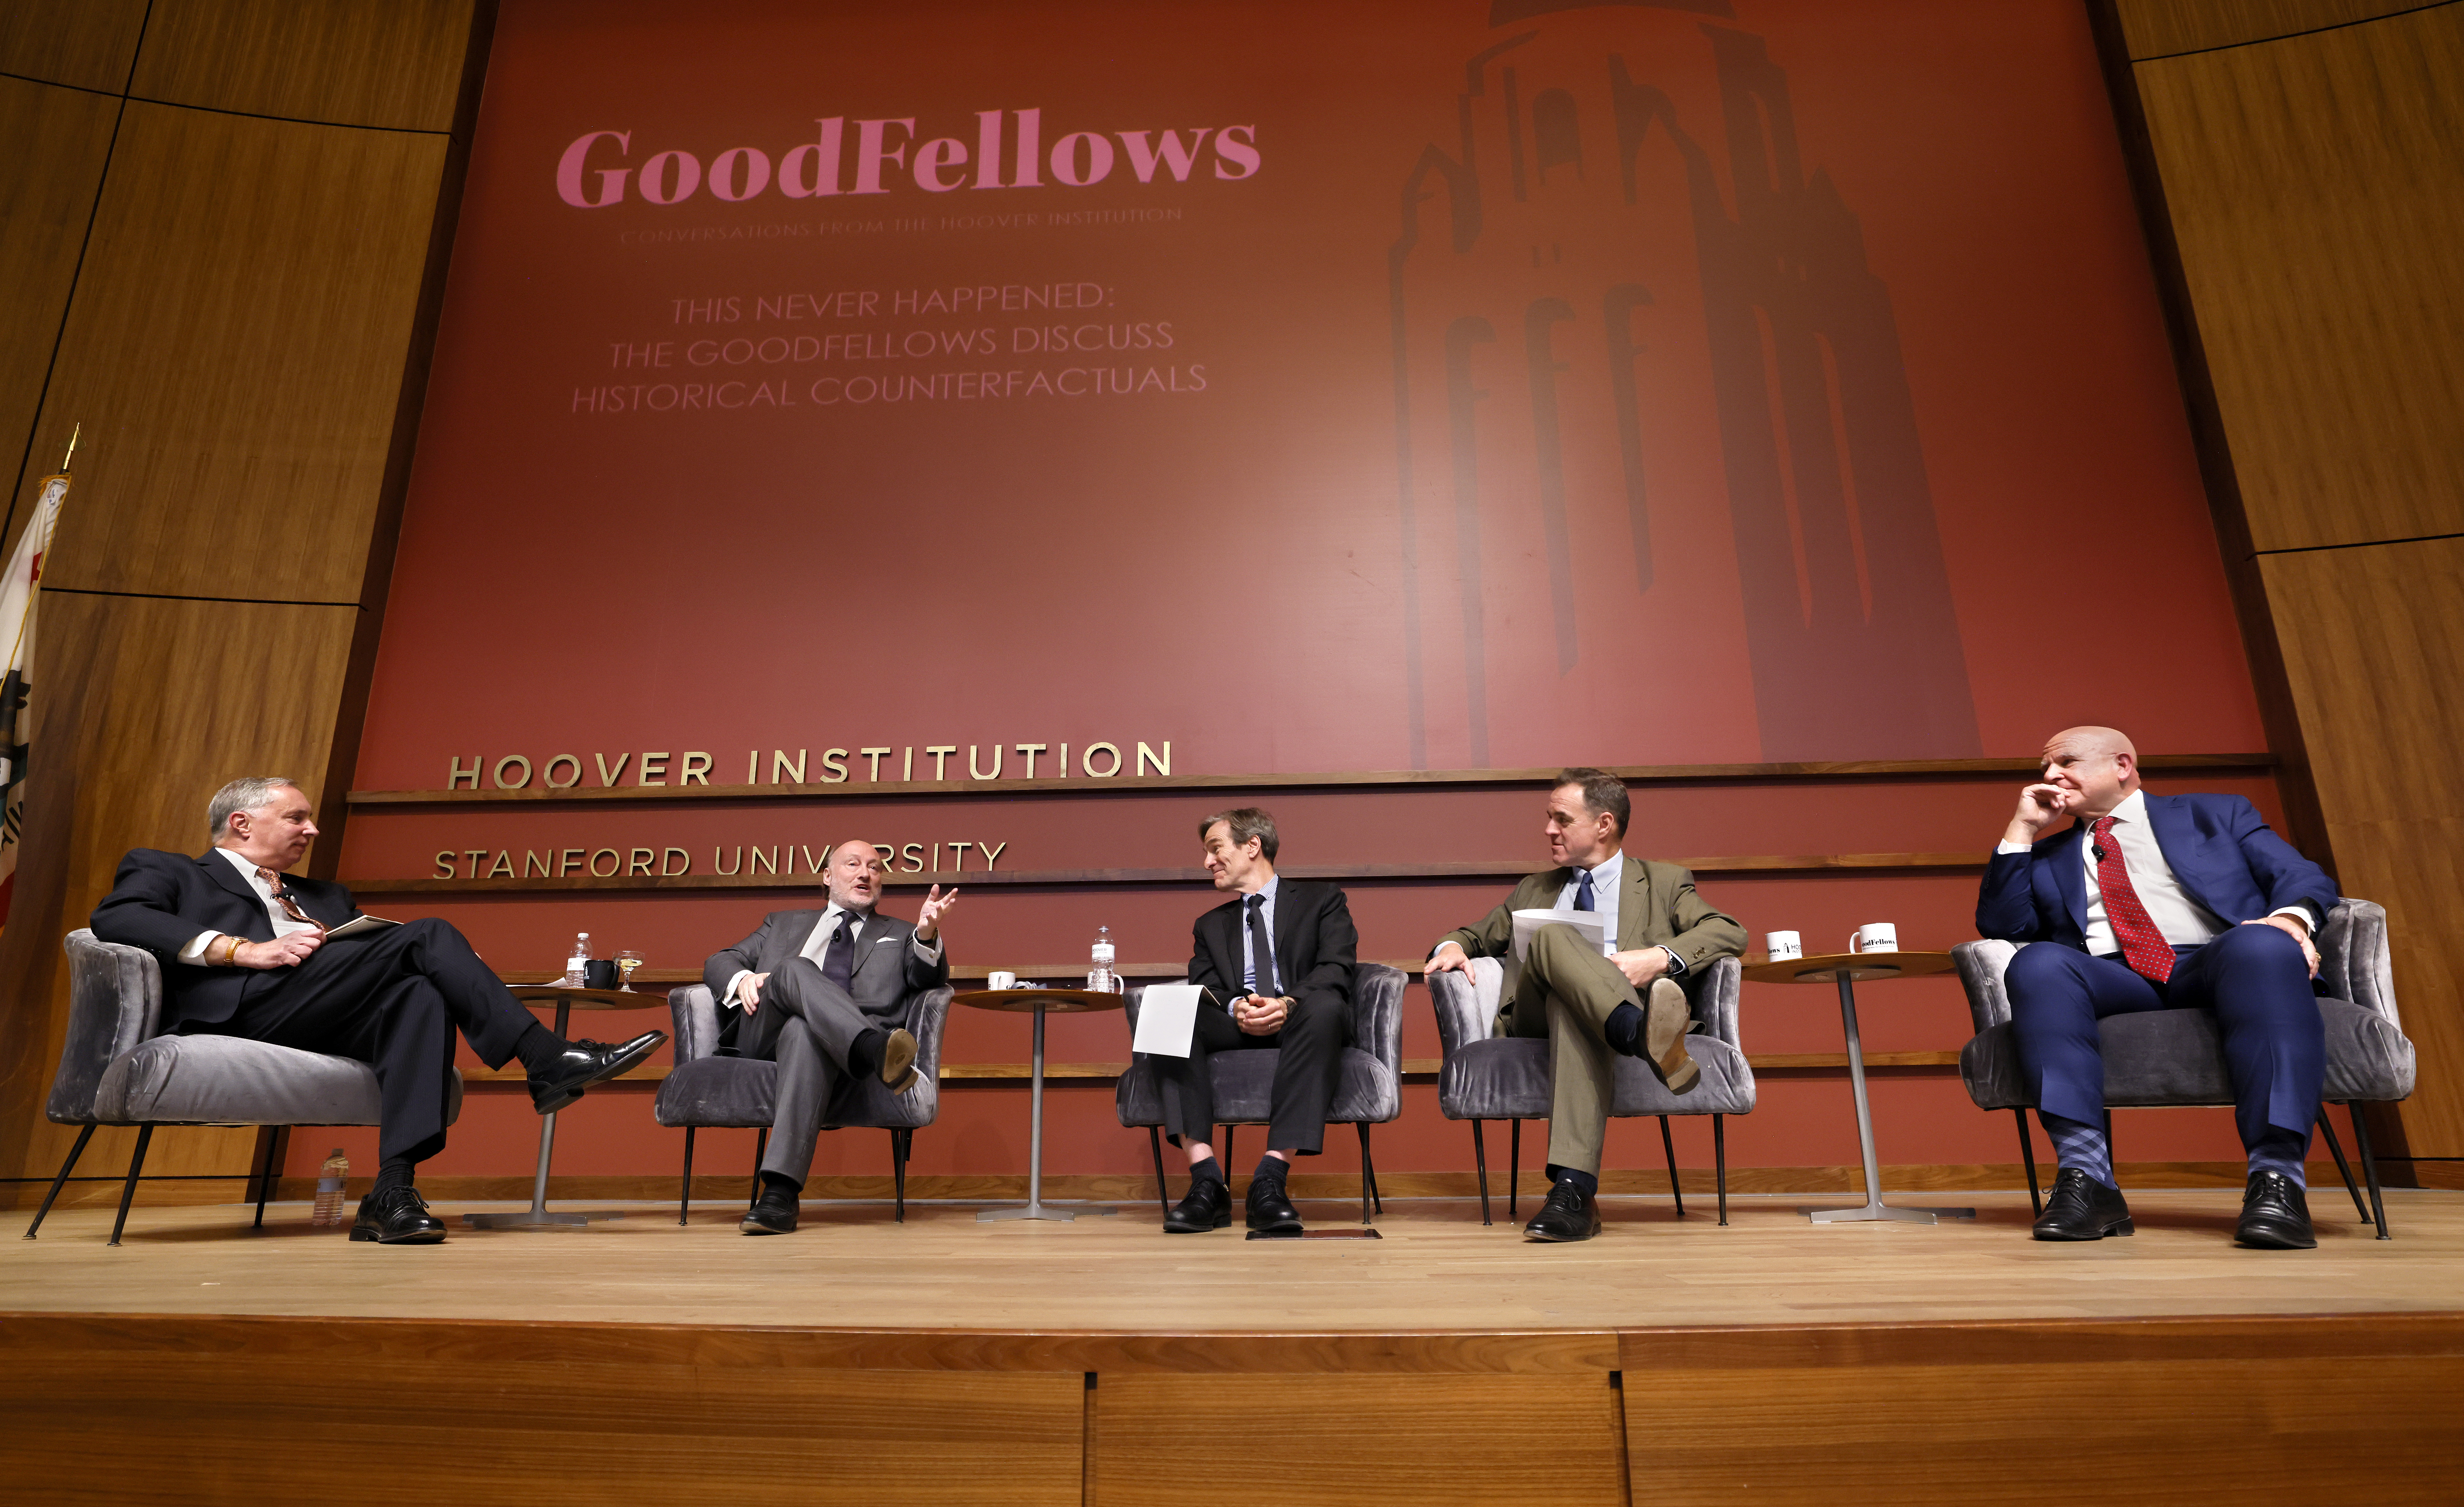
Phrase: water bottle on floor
(573,964)
(331,1179)
(1100,977)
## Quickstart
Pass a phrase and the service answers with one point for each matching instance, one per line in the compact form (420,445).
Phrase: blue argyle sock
(2280,1150)
(2081,1146)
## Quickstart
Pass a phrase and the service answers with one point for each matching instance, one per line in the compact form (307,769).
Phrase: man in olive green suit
(1593,1001)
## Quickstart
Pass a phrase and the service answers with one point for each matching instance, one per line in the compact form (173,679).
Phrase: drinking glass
(627,959)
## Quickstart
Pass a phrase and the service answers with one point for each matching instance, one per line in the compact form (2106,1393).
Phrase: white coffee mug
(997,980)
(1875,936)
(1780,946)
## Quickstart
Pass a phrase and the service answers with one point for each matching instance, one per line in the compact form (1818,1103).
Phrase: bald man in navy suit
(2158,902)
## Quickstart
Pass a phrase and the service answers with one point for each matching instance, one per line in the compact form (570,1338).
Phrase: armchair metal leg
(2370,1167)
(2028,1154)
(57,1183)
(1719,1159)
(1163,1189)
(2337,1150)
(684,1203)
(1377,1199)
(1668,1144)
(265,1179)
(1229,1131)
(128,1194)
(899,1143)
(761,1153)
(1479,1158)
(1515,1172)
(1365,1175)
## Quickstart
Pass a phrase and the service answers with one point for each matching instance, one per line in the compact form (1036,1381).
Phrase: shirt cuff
(196,950)
(1676,964)
(2300,913)
(727,996)
(929,951)
(2000,848)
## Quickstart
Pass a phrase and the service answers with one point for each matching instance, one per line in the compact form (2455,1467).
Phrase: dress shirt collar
(247,867)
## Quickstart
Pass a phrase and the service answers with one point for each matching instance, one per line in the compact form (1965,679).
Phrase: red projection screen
(1286,388)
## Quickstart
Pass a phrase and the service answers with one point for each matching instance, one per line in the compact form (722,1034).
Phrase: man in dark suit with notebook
(825,993)
(245,953)
(2158,902)
(1278,961)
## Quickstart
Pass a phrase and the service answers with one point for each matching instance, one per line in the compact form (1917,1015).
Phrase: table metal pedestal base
(1873,1209)
(1036,1208)
(538,1215)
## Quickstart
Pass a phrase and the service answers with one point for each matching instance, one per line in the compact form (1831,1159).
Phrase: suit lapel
(2170,822)
(2070,878)
(222,871)
(793,936)
(875,931)
(1634,902)
(1287,932)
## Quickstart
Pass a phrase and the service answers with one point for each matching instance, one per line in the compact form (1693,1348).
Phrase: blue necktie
(1583,892)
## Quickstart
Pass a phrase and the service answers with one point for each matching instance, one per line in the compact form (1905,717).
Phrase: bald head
(853,875)
(2098,763)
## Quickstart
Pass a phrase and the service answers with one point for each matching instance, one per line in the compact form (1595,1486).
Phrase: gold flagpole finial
(73,431)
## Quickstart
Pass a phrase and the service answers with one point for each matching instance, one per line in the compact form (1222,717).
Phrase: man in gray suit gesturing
(825,992)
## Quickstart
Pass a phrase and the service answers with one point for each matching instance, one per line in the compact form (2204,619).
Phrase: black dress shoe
(1207,1206)
(1567,1215)
(397,1216)
(1269,1212)
(1661,1043)
(2082,1208)
(587,1063)
(2274,1214)
(773,1212)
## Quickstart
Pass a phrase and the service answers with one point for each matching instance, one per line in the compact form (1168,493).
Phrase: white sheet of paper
(1590,923)
(358,924)
(1167,1014)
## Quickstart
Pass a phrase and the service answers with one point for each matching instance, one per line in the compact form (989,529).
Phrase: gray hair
(245,794)
(1245,822)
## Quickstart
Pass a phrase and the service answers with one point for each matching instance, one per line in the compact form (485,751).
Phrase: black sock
(781,1182)
(864,1053)
(1206,1170)
(1272,1168)
(393,1172)
(1588,1184)
(1623,1028)
(539,1048)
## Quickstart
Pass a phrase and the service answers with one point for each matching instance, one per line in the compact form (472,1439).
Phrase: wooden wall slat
(58,140)
(2161,28)
(2374,644)
(87,44)
(391,64)
(141,707)
(2318,197)
(235,351)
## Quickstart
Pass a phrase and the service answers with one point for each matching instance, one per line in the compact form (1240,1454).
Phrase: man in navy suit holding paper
(2158,902)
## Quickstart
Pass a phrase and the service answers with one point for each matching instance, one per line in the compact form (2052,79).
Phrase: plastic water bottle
(573,964)
(1100,977)
(331,1180)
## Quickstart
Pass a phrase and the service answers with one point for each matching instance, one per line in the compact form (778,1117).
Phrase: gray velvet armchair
(1490,1077)
(706,1090)
(1369,1090)
(2168,1059)
(116,1070)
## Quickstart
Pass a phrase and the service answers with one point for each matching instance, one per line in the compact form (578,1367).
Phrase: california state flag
(18,595)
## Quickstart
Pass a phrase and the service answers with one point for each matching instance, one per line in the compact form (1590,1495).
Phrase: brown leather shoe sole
(1665,1022)
(898,1062)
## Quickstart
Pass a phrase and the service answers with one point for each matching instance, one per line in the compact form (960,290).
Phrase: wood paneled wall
(2310,179)
(225,223)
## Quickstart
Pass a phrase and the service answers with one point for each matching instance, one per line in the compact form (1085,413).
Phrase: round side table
(567,999)
(1040,1002)
(1845,969)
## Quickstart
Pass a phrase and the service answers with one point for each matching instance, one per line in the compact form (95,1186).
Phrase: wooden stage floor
(1669,1361)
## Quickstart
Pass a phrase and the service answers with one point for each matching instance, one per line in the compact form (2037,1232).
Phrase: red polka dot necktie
(2143,946)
